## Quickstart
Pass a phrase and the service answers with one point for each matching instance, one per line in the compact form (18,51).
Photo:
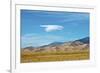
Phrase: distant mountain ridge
(84,40)
(53,44)
(79,44)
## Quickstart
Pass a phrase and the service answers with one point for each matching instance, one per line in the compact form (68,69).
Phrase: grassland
(54,56)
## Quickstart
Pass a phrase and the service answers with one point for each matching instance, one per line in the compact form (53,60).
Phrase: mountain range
(76,45)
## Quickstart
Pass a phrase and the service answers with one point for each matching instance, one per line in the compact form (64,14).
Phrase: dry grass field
(54,56)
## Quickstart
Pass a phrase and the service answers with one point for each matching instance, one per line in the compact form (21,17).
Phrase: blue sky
(43,27)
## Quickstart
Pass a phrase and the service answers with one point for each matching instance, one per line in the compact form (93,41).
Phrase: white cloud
(49,28)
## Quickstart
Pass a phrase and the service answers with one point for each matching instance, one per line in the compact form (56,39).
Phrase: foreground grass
(54,56)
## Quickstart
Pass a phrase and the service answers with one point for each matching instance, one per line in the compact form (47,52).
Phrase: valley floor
(54,56)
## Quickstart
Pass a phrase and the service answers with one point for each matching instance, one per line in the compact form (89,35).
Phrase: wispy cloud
(49,28)
(38,40)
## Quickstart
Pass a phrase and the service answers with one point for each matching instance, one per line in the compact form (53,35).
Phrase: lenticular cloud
(49,28)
